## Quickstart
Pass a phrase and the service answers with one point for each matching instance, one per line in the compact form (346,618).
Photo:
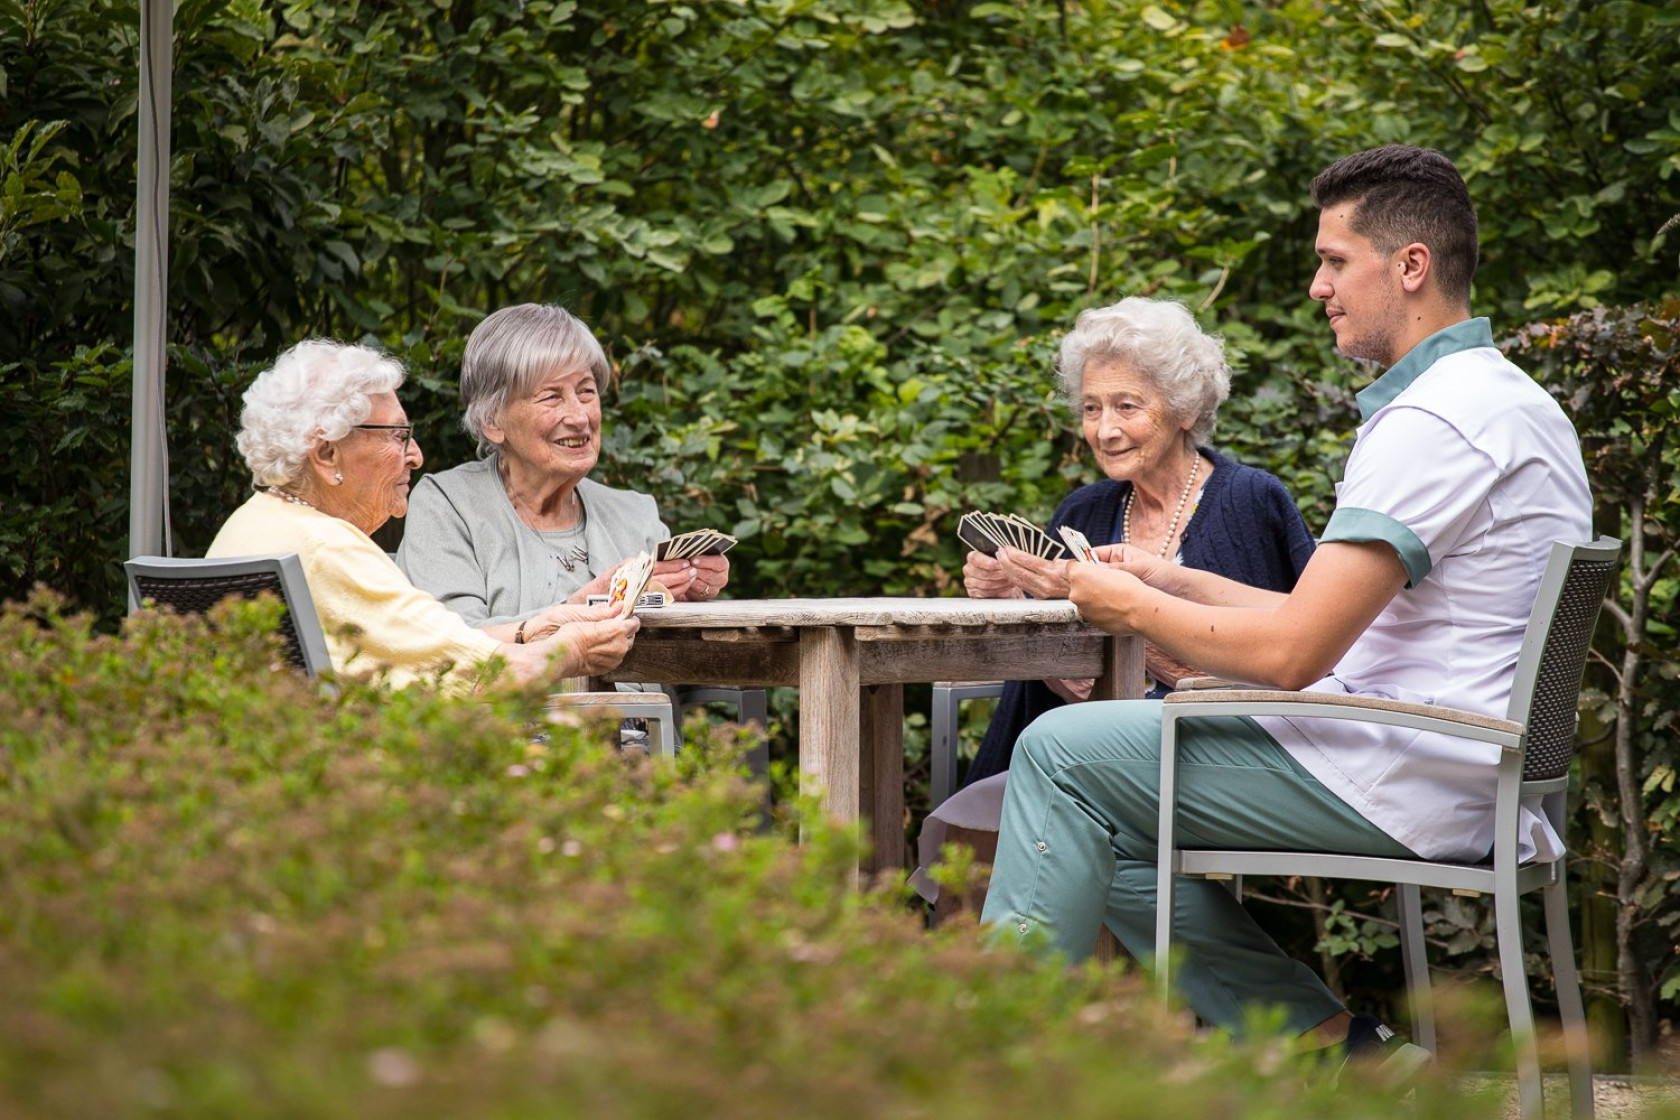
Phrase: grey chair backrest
(1547,683)
(194,586)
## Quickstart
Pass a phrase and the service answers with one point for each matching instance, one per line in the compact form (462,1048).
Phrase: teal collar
(1471,334)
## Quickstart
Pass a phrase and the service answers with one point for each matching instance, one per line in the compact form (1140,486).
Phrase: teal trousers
(1076,849)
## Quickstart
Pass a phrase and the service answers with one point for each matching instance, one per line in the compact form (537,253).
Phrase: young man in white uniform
(1463,474)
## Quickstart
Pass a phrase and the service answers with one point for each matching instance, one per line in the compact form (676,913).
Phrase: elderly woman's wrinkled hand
(598,646)
(693,580)
(1042,579)
(544,623)
(983,578)
(711,575)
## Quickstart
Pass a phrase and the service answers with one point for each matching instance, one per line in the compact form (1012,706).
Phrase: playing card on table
(1076,542)
(627,583)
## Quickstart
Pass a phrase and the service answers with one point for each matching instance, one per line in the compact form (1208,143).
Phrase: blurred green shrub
(227,891)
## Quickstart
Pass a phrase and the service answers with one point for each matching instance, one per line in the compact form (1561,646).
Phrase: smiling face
(1127,424)
(1359,287)
(555,432)
(376,469)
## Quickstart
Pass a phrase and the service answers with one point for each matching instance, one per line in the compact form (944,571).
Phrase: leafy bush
(829,244)
(226,890)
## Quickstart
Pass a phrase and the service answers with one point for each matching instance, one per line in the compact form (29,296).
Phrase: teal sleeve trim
(1353,525)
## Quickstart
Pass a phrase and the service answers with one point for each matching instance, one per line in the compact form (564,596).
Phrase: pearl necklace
(275,491)
(1172,527)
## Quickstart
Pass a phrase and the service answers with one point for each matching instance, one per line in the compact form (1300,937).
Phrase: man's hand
(1104,595)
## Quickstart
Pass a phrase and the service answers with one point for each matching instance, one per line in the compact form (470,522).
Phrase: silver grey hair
(318,390)
(510,353)
(1160,339)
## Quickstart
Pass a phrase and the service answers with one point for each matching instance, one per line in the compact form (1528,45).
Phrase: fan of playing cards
(627,583)
(988,532)
(701,542)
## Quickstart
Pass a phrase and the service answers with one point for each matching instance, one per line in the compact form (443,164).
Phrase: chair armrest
(1202,684)
(1341,705)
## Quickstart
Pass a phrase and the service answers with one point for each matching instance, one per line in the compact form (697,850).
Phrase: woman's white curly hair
(1160,340)
(316,391)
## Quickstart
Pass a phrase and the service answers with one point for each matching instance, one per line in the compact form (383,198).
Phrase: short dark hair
(1403,194)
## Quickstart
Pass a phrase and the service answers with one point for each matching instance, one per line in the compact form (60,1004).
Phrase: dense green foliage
(210,904)
(1618,371)
(829,243)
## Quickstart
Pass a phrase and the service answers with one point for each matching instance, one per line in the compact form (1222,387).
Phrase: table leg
(1122,675)
(828,718)
(881,774)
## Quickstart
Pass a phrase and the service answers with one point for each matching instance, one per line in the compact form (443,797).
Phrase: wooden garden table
(850,659)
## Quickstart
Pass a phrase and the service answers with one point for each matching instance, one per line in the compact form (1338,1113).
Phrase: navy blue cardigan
(1245,527)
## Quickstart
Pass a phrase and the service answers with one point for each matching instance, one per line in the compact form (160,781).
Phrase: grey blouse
(464,543)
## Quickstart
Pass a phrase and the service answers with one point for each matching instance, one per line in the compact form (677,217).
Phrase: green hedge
(829,244)
(227,891)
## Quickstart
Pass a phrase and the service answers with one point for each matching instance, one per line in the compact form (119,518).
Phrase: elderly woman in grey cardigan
(523,526)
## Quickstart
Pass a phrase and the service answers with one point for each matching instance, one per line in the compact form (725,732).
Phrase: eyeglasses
(407,431)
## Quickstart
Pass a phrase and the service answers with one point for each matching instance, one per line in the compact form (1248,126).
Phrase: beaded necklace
(286,496)
(1172,527)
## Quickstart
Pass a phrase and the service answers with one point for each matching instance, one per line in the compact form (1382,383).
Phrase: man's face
(1359,287)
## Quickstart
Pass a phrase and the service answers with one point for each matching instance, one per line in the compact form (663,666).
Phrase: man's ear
(1415,264)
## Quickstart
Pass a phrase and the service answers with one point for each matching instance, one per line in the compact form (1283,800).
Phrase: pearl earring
(338,479)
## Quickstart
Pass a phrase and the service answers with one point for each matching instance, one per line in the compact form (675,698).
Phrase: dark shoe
(1371,1045)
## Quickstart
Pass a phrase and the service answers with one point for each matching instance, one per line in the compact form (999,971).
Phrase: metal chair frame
(948,697)
(1536,740)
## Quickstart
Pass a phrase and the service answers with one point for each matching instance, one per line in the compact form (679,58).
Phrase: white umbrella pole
(148,502)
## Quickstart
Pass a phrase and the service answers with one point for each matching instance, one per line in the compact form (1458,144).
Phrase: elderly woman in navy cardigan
(1146,383)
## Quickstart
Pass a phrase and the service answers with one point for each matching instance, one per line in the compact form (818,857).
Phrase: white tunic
(1470,471)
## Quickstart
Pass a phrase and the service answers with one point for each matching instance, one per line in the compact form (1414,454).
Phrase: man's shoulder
(1479,391)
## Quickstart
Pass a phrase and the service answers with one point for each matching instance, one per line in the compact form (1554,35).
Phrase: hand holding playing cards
(1040,578)
(1151,569)
(694,580)
(591,640)
(545,622)
(984,579)
(1102,592)
(597,646)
